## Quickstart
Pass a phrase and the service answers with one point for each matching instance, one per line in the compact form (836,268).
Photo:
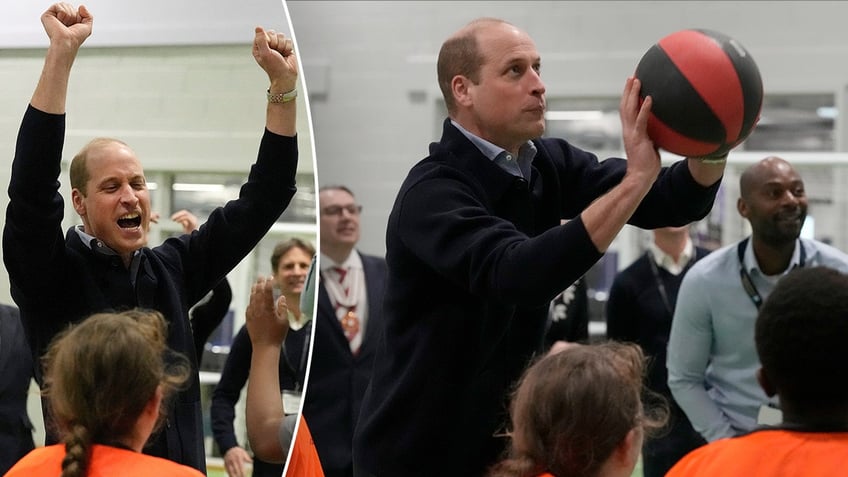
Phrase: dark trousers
(265,469)
(660,453)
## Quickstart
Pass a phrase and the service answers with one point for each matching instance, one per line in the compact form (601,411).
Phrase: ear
(767,386)
(79,205)
(151,409)
(627,452)
(461,90)
(742,207)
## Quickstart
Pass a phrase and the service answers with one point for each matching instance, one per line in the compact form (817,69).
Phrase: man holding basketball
(476,252)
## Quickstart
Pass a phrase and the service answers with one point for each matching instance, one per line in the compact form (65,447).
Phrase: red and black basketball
(706,89)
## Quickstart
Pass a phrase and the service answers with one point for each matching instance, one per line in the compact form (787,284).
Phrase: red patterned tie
(348,318)
(342,273)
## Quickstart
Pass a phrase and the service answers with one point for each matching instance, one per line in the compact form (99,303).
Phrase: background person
(107,384)
(568,316)
(800,337)
(210,311)
(343,354)
(712,361)
(639,310)
(290,263)
(16,367)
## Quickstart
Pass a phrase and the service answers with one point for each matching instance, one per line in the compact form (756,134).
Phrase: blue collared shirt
(712,359)
(517,166)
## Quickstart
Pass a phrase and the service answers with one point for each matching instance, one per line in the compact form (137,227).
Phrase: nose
(790,199)
(537,85)
(128,195)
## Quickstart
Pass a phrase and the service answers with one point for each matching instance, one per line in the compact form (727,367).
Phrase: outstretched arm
(275,54)
(67,29)
(267,326)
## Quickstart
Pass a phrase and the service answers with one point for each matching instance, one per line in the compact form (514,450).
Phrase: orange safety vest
(769,452)
(304,457)
(106,461)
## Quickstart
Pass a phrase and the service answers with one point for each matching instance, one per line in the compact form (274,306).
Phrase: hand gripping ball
(706,89)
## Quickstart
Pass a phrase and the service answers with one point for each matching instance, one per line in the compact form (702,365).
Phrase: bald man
(712,361)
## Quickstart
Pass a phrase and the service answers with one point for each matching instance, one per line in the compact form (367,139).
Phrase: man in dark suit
(639,310)
(350,299)
(16,369)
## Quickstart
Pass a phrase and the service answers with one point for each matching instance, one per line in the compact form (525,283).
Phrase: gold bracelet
(282,97)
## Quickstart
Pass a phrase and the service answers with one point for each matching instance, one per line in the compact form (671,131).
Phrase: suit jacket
(17,371)
(337,377)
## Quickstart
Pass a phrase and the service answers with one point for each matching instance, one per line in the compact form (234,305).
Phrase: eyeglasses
(336,210)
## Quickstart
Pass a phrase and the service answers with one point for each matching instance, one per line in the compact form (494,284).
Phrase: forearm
(605,217)
(264,408)
(52,90)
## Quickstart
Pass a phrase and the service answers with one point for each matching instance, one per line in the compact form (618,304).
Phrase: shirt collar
(519,166)
(352,261)
(751,260)
(88,240)
(95,243)
(667,262)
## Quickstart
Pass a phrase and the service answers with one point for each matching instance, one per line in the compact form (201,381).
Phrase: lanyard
(660,285)
(747,283)
(659,280)
(304,357)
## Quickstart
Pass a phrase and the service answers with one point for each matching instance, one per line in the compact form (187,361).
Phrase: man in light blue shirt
(712,361)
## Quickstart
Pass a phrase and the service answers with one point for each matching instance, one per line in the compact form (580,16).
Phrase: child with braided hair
(107,384)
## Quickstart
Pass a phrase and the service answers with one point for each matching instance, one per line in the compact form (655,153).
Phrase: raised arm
(267,326)
(67,29)
(605,217)
(275,54)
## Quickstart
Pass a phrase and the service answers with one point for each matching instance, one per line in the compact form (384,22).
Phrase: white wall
(149,22)
(371,67)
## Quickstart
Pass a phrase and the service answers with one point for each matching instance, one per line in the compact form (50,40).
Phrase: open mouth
(130,221)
